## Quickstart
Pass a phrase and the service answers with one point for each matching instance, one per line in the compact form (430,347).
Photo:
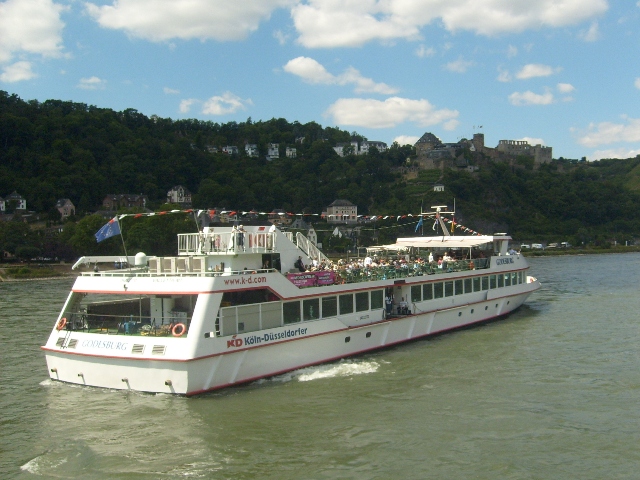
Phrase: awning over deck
(447,242)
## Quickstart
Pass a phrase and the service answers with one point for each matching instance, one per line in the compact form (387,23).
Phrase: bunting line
(372,218)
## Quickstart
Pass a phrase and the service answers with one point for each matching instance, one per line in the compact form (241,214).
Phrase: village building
(180,196)
(15,201)
(342,211)
(66,208)
(113,202)
(251,149)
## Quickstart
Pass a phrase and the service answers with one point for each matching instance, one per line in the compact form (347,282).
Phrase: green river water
(551,391)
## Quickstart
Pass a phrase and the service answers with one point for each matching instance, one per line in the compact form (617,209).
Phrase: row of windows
(429,291)
(326,307)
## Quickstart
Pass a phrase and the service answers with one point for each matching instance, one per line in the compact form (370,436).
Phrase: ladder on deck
(313,252)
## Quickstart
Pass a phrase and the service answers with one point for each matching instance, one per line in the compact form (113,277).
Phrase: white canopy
(449,242)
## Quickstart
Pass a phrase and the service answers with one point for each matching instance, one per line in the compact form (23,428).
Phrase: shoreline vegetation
(15,272)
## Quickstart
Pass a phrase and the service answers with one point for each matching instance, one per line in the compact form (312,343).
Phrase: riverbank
(18,272)
(551,252)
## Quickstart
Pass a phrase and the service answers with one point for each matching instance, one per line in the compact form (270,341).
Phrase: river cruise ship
(234,306)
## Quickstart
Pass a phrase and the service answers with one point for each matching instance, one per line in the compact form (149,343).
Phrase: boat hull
(237,365)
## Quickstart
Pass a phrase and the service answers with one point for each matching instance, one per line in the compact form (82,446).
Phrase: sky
(561,73)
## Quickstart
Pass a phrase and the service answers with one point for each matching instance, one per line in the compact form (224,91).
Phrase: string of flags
(113,228)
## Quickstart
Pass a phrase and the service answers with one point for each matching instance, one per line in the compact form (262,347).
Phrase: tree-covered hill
(58,149)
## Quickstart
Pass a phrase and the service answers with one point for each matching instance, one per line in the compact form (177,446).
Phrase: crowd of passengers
(369,265)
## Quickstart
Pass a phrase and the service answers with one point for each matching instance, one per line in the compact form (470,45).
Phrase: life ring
(61,323)
(178,329)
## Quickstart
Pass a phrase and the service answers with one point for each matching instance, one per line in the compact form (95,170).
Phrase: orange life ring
(178,329)
(61,323)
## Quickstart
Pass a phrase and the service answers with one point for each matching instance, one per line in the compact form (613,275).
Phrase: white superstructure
(230,308)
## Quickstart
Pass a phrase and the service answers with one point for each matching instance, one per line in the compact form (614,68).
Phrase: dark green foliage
(56,149)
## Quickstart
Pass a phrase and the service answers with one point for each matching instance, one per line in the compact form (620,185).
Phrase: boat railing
(411,270)
(386,272)
(208,243)
(154,273)
(130,324)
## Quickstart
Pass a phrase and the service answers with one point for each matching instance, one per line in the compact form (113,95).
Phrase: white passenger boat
(231,308)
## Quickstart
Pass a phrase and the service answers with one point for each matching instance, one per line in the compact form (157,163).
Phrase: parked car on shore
(552,245)
(537,246)
(524,245)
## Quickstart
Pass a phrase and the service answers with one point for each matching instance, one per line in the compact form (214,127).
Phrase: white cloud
(17,72)
(637,82)
(393,111)
(565,87)
(32,26)
(424,52)
(312,71)
(161,20)
(614,153)
(92,83)
(605,133)
(403,140)
(281,37)
(459,66)
(170,91)
(225,104)
(503,75)
(592,34)
(335,23)
(512,51)
(533,140)
(520,99)
(533,70)
(185,105)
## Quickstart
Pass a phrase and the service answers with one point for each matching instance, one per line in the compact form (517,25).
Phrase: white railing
(225,243)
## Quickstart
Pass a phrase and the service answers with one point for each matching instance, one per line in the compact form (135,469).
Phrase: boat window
(448,288)
(520,276)
(246,297)
(427,291)
(416,293)
(476,284)
(492,281)
(438,290)
(329,307)
(291,312)
(507,279)
(500,281)
(346,303)
(458,287)
(377,299)
(485,283)
(514,278)
(311,309)
(129,314)
(362,301)
(467,285)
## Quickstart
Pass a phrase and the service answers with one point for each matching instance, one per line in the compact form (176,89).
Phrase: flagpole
(123,245)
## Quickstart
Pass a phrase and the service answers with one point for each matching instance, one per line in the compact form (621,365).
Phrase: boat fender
(178,329)
(61,323)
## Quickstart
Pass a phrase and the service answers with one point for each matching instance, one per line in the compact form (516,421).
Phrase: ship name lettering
(106,344)
(504,261)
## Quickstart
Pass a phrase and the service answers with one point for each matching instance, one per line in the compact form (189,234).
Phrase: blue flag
(109,229)
(419,224)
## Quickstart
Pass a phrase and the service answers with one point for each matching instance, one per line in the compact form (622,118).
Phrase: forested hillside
(58,149)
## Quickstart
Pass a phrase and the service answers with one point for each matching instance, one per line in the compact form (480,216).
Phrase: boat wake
(343,369)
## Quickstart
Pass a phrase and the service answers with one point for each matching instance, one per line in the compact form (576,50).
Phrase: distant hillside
(57,149)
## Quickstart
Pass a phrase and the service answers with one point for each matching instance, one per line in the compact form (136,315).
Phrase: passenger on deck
(299,264)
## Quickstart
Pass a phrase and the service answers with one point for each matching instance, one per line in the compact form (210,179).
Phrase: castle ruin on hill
(432,153)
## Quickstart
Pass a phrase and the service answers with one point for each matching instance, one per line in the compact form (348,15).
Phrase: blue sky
(563,73)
